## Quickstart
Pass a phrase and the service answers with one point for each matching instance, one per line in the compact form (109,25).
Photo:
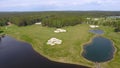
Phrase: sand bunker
(54,41)
(59,30)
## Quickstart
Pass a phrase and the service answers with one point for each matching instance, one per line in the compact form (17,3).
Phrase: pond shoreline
(50,62)
(91,39)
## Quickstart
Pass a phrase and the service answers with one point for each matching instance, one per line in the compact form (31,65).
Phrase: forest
(60,19)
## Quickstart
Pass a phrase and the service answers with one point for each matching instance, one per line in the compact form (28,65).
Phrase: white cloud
(58,4)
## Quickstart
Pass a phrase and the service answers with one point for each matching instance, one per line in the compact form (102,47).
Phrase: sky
(59,5)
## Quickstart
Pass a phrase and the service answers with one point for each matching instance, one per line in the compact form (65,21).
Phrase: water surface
(96,31)
(99,50)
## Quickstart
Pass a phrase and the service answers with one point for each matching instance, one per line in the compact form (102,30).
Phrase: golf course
(69,51)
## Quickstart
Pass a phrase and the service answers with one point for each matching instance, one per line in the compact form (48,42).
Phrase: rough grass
(115,37)
(71,48)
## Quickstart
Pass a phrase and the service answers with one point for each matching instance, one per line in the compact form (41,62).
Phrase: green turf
(71,48)
(115,37)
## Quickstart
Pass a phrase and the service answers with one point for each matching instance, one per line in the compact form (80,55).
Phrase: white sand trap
(60,30)
(97,26)
(88,18)
(93,26)
(38,23)
(96,19)
(54,41)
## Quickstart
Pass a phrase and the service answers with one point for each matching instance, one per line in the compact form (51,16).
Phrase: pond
(99,50)
(17,54)
(113,16)
(96,31)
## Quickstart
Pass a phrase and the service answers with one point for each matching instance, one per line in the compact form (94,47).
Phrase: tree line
(61,18)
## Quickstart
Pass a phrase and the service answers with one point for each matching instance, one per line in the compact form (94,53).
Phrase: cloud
(57,4)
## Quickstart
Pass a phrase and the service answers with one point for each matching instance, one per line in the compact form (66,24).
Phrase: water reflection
(99,50)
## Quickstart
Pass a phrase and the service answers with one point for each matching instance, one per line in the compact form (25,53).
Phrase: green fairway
(70,49)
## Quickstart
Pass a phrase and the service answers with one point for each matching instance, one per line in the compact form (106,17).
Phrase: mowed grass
(71,48)
(115,37)
(68,52)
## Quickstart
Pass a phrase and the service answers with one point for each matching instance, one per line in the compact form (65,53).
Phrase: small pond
(99,50)
(96,31)
(16,54)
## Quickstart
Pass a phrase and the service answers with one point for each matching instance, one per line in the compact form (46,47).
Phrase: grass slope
(70,50)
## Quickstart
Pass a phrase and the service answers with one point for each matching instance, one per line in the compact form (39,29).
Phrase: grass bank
(71,48)
(115,37)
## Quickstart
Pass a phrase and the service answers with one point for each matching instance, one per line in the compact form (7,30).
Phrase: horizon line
(63,10)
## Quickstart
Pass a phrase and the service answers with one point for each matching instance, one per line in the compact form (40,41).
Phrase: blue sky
(59,5)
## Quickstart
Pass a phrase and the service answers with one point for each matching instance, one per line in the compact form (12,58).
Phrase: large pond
(16,54)
(99,50)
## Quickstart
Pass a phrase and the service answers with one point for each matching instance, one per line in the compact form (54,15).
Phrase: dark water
(96,31)
(16,54)
(99,50)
